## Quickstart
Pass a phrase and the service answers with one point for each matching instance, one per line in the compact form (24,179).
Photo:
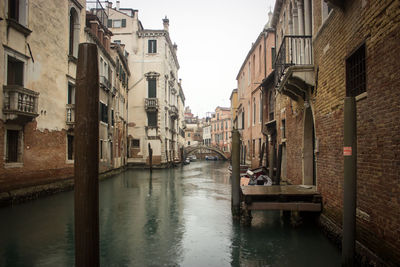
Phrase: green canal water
(175,217)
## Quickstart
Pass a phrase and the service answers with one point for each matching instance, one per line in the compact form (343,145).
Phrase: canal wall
(364,256)
(46,188)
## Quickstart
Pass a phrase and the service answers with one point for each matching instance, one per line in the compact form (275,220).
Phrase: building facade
(36,81)
(256,66)
(154,93)
(329,50)
(221,129)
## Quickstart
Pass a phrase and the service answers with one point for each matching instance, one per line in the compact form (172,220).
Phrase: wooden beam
(294,206)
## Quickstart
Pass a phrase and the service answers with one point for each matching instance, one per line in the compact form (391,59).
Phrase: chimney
(109,4)
(180,82)
(175,47)
(166,23)
(117,5)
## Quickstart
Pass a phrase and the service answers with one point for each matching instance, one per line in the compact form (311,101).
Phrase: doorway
(309,177)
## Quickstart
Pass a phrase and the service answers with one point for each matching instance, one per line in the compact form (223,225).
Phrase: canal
(174,217)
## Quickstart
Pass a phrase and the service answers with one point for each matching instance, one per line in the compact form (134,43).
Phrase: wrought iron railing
(20,100)
(151,103)
(96,8)
(70,114)
(294,50)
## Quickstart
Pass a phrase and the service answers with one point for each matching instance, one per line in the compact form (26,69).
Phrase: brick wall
(378,182)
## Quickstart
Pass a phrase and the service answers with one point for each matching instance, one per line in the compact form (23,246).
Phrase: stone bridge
(190,149)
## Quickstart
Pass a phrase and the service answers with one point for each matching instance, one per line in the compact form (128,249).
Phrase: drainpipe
(350,181)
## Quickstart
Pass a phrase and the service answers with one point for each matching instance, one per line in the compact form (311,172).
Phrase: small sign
(347,151)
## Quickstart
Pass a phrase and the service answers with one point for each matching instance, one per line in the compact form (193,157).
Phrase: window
(135,143)
(271,106)
(70,147)
(15,71)
(117,42)
(73,32)
(217,116)
(355,73)
(222,125)
(254,111)
(226,135)
(152,90)
(112,117)
(226,125)
(273,55)
(13,146)
(254,148)
(17,10)
(152,46)
(116,23)
(152,119)
(248,74)
(71,94)
(103,112)
(248,115)
(188,134)
(283,128)
(101,149)
(243,120)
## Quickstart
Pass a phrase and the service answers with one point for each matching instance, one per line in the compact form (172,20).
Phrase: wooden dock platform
(281,197)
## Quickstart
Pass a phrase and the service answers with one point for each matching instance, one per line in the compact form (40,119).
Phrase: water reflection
(175,217)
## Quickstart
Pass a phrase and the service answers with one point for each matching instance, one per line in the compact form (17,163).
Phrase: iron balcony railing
(20,101)
(151,103)
(96,8)
(294,50)
(70,114)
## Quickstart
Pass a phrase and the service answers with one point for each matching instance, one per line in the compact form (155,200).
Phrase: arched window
(73,32)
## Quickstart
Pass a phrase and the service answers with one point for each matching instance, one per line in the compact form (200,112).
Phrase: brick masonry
(378,181)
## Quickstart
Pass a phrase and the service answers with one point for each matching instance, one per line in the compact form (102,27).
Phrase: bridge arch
(190,149)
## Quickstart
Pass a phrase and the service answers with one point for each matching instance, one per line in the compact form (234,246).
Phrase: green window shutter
(152,88)
(109,23)
(123,25)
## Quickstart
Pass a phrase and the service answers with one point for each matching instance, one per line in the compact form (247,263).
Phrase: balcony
(294,69)
(173,112)
(20,104)
(104,83)
(96,8)
(70,121)
(151,104)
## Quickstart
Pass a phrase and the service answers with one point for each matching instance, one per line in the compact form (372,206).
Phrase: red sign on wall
(347,151)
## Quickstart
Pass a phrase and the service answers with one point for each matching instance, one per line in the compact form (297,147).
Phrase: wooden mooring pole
(235,174)
(151,158)
(350,181)
(87,158)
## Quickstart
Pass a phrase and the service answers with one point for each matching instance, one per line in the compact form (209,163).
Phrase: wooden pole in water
(350,181)
(235,174)
(150,158)
(279,164)
(87,158)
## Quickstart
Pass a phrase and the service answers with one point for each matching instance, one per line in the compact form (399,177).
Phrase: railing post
(235,180)
(86,166)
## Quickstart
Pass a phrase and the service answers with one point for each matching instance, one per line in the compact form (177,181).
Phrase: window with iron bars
(356,72)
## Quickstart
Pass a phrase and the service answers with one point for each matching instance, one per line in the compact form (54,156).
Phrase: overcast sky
(213,38)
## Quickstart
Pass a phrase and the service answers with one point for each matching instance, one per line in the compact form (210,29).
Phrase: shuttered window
(152,119)
(152,89)
(123,24)
(152,46)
